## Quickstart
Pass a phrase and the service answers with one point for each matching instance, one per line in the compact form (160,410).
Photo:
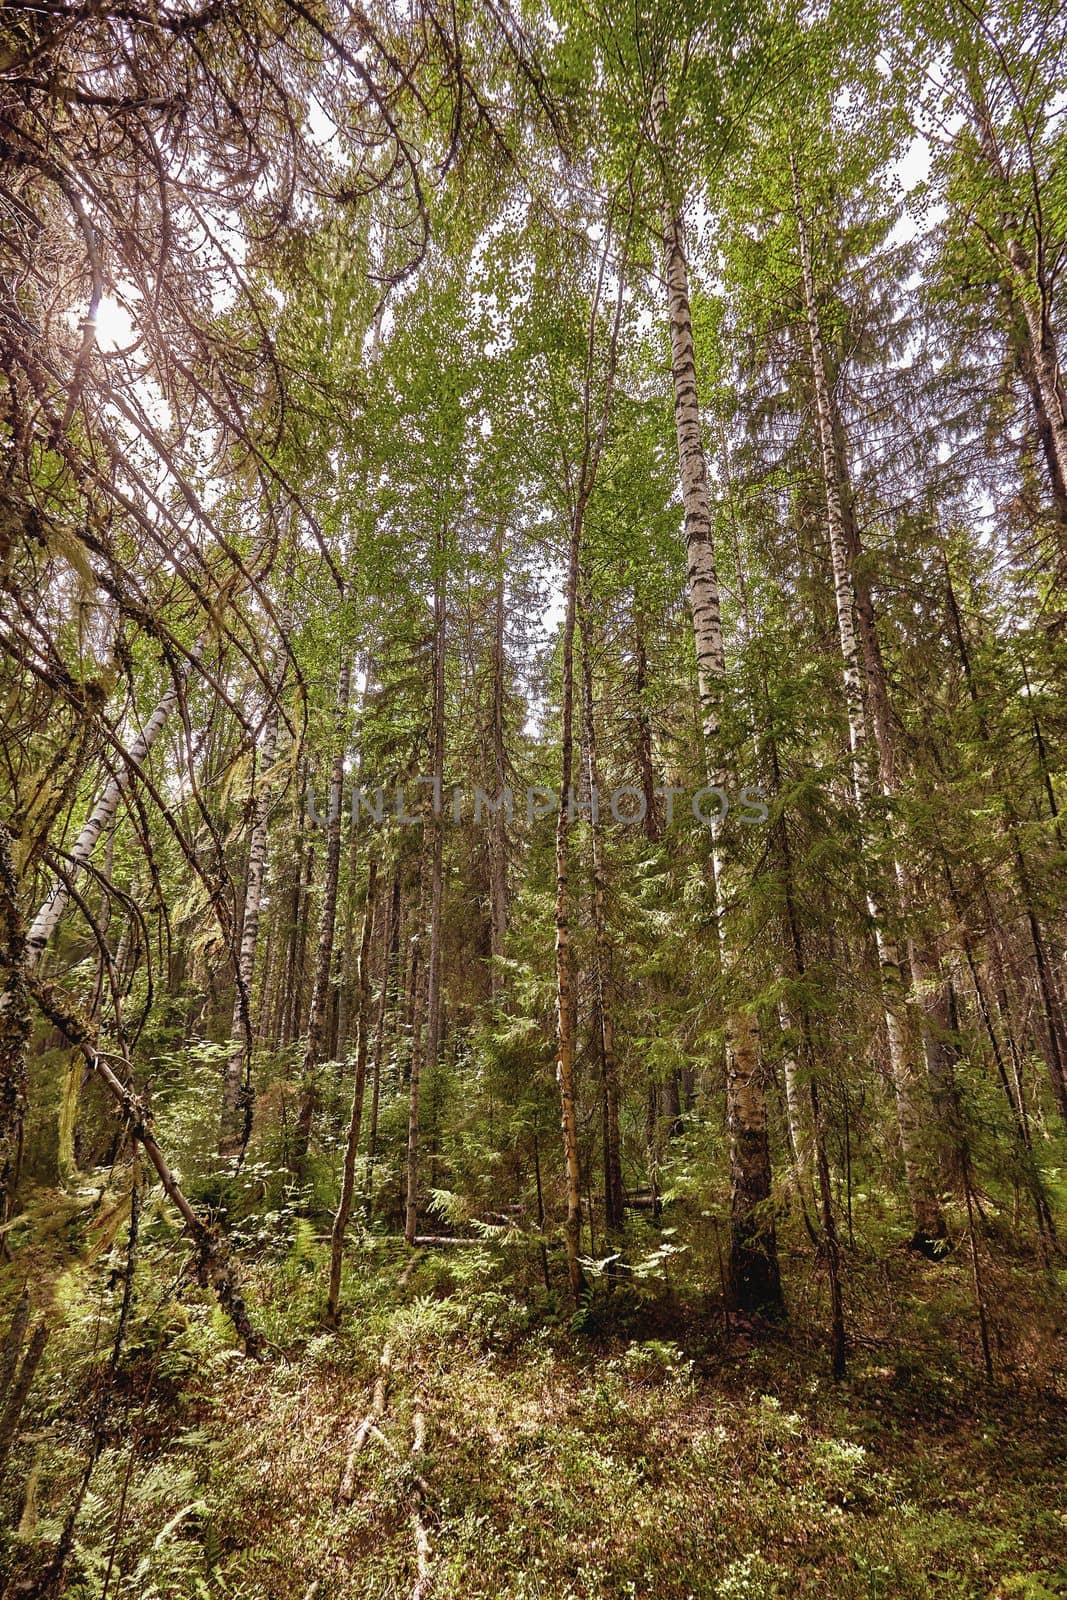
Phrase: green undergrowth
(638,1449)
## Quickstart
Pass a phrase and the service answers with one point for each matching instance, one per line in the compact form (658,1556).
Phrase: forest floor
(642,1450)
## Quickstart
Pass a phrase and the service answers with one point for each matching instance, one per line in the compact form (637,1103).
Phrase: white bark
(901,1065)
(754,1264)
(230,1133)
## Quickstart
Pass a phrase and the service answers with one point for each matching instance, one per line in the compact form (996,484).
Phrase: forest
(533,737)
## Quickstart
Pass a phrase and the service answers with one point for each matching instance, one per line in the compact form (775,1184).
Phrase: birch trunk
(650,820)
(1032,293)
(415,1010)
(799,1132)
(605,998)
(359,1083)
(815,1145)
(320,992)
(754,1276)
(14,1029)
(343,975)
(1053,1037)
(929,1225)
(390,950)
(565,997)
(498,842)
(580,487)
(235,1116)
(436,843)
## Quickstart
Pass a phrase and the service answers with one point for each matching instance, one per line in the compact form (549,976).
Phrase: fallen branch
(419,1498)
(436,1240)
(213,1265)
(369,1424)
(17,1376)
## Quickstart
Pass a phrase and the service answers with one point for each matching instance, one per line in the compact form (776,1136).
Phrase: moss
(560,1466)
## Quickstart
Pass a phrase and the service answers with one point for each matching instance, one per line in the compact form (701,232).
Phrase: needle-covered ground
(639,1450)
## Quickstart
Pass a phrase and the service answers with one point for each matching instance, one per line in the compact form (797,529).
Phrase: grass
(646,1454)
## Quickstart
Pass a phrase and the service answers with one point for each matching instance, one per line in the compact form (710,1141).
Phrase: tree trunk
(815,1142)
(580,486)
(213,1262)
(929,1226)
(799,1131)
(605,997)
(565,995)
(344,1204)
(754,1276)
(390,951)
(436,846)
(344,964)
(14,1030)
(1053,1042)
(1032,293)
(19,1388)
(498,838)
(650,821)
(237,1108)
(320,992)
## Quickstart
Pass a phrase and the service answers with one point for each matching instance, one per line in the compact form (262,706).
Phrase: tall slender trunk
(614,1198)
(343,973)
(650,821)
(292,994)
(800,1134)
(799,1131)
(498,839)
(213,1261)
(237,1108)
(389,994)
(929,1226)
(808,1133)
(359,1082)
(1031,291)
(411,972)
(565,993)
(320,992)
(1053,1039)
(1012,1090)
(580,486)
(416,1008)
(343,976)
(14,1031)
(267,983)
(928,981)
(754,1275)
(436,850)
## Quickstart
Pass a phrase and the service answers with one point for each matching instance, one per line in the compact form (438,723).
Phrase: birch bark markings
(359,1084)
(15,1027)
(580,487)
(614,1198)
(929,1224)
(238,1064)
(433,966)
(498,839)
(320,992)
(1031,290)
(754,1277)
(565,999)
